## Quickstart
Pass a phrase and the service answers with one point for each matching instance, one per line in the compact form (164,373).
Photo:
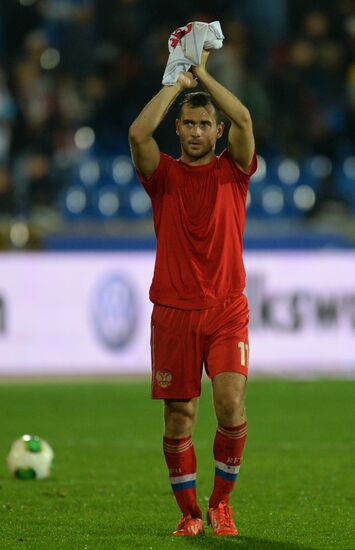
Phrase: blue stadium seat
(140,203)
(89,172)
(316,168)
(345,179)
(273,201)
(106,202)
(74,201)
(123,170)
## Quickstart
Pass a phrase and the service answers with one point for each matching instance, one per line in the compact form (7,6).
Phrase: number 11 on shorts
(244,353)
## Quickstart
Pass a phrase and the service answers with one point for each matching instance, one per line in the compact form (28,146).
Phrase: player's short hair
(200,99)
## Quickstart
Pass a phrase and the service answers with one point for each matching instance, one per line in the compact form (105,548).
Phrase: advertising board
(89,313)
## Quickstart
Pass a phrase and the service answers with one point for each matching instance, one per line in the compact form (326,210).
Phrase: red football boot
(221,520)
(189,527)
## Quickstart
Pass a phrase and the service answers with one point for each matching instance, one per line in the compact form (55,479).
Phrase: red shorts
(182,341)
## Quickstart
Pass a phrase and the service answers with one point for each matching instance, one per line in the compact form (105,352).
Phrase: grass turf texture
(109,489)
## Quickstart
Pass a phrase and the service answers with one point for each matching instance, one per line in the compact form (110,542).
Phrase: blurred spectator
(125,22)
(307,84)
(17,19)
(6,195)
(7,117)
(70,27)
(268,24)
(68,64)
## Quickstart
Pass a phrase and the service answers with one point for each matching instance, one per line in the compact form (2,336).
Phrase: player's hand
(202,66)
(187,80)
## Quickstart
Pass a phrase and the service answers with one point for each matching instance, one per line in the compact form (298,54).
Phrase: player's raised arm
(240,138)
(144,148)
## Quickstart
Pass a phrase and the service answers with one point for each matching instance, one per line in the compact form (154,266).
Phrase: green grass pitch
(109,488)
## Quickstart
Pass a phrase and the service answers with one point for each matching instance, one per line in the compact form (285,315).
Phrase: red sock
(181,461)
(228,450)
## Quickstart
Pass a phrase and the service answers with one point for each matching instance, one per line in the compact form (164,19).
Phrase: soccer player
(200,314)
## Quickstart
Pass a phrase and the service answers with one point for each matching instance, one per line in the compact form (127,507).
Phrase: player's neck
(193,161)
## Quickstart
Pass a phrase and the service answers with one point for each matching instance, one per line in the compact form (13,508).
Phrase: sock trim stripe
(178,448)
(225,475)
(227,468)
(181,479)
(182,486)
(231,434)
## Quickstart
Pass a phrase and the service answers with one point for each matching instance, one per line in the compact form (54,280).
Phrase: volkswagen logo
(115,310)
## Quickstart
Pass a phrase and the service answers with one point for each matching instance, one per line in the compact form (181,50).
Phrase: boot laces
(225,515)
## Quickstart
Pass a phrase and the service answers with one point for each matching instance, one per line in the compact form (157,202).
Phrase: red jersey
(199,217)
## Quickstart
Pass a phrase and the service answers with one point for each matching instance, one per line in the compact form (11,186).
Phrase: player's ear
(177,126)
(220,130)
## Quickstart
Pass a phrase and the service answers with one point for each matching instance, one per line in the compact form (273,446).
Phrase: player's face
(198,131)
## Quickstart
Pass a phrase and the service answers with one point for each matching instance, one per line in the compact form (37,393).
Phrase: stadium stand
(74,74)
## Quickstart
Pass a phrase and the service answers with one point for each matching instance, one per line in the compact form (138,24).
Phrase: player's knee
(179,420)
(178,425)
(229,409)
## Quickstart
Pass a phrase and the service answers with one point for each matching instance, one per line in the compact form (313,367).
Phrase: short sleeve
(253,167)
(241,175)
(157,180)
